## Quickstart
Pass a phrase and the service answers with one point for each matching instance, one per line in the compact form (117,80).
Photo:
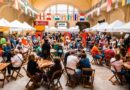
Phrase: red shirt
(109,53)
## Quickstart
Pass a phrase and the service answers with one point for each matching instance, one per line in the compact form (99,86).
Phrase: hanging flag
(64,17)
(48,16)
(57,17)
(42,16)
(26,10)
(109,4)
(116,4)
(38,16)
(68,17)
(75,17)
(82,17)
(16,4)
(33,15)
(98,11)
(123,2)
(128,1)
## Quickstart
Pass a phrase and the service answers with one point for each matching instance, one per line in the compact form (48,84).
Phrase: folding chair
(55,77)
(17,71)
(88,74)
(32,78)
(72,80)
(117,76)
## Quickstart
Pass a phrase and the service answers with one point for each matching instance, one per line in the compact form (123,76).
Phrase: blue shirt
(84,63)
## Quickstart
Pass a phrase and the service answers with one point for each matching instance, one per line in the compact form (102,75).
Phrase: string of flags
(24,7)
(62,17)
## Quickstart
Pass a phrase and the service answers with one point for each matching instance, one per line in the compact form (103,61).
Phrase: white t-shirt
(17,60)
(72,63)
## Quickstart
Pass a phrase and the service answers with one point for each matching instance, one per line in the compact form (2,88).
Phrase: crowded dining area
(64,45)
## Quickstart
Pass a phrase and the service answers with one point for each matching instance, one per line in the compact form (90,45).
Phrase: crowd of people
(103,47)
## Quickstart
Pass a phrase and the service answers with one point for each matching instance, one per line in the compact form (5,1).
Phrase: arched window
(62,9)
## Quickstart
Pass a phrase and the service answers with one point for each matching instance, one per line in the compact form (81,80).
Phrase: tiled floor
(101,82)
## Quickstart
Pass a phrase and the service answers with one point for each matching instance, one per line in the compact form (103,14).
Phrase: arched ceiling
(81,5)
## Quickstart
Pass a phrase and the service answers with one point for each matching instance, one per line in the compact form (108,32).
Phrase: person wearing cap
(16,61)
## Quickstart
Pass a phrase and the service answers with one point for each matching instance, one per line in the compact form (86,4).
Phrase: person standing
(46,49)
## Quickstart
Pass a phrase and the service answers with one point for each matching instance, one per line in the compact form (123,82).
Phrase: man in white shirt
(72,62)
(16,61)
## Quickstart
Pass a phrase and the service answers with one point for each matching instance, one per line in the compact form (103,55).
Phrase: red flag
(48,16)
(109,4)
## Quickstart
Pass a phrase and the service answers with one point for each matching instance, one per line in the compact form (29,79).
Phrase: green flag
(68,17)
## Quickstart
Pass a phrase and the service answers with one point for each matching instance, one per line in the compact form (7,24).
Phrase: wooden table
(3,67)
(127,65)
(44,63)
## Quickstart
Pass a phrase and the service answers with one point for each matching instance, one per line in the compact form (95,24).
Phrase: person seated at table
(117,66)
(66,56)
(85,63)
(109,53)
(20,47)
(72,62)
(7,51)
(96,53)
(32,68)
(16,61)
(60,50)
(57,66)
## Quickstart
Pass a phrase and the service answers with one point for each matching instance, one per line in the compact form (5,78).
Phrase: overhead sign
(62,24)
(40,23)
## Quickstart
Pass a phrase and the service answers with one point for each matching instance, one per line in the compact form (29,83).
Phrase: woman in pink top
(117,65)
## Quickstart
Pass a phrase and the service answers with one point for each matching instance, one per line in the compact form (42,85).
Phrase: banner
(68,17)
(26,10)
(42,16)
(48,17)
(64,17)
(123,2)
(82,17)
(16,4)
(98,11)
(57,17)
(109,4)
(75,17)
(116,4)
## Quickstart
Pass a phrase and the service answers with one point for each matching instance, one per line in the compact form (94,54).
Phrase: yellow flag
(123,2)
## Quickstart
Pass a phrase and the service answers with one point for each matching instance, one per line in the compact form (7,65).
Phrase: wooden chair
(32,78)
(17,71)
(55,79)
(72,80)
(88,74)
(117,76)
